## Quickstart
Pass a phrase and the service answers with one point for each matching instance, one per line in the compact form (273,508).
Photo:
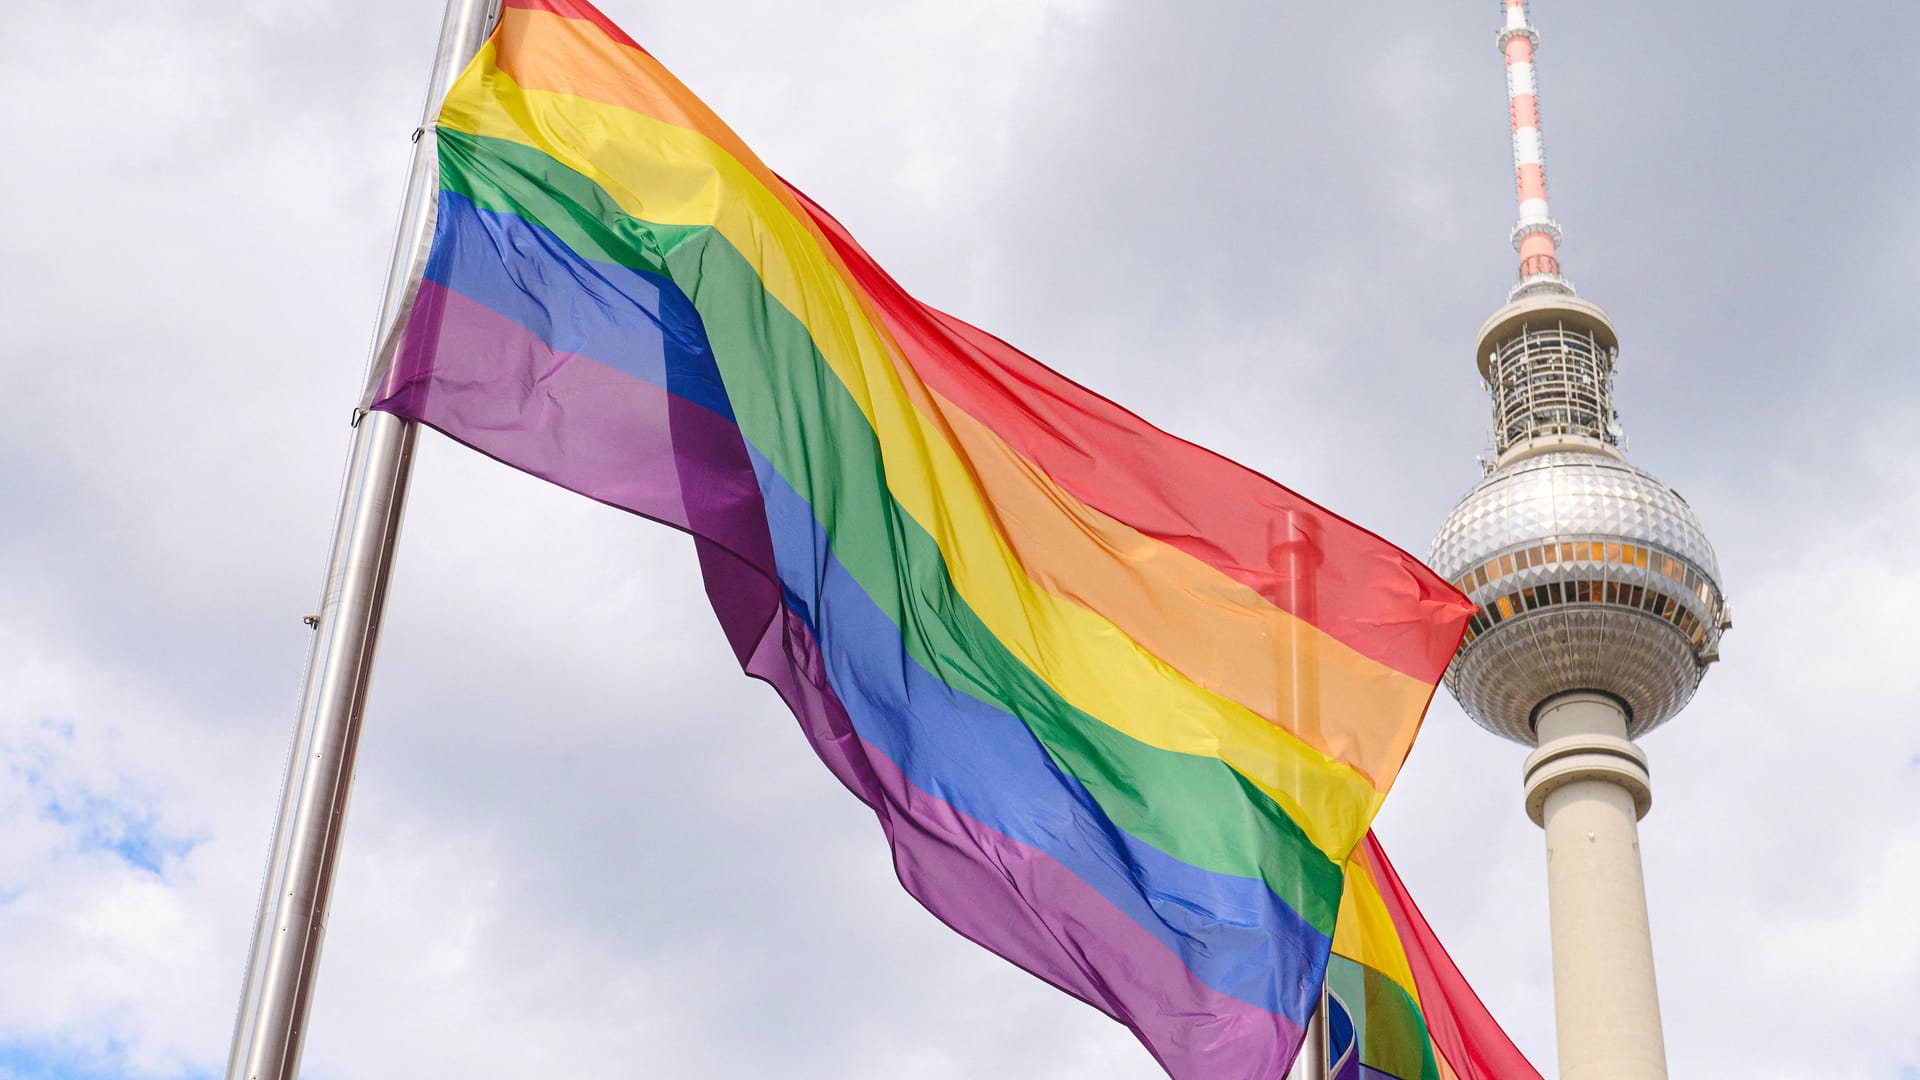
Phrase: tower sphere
(1590,575)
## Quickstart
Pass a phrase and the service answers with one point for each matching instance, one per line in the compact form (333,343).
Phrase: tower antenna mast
(1536,236)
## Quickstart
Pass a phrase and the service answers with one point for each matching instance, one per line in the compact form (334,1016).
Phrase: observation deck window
(1552,380)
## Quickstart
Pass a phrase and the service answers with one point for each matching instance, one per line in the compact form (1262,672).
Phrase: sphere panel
(1591,575)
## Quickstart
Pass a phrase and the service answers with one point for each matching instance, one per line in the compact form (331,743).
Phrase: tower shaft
(1587,787)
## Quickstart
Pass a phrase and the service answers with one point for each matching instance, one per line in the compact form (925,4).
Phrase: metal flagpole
(1304,687)
(269,1031)
(1312,1064)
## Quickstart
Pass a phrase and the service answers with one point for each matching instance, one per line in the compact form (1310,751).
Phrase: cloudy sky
(581,845)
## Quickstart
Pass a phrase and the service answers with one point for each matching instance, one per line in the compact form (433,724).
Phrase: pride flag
(1121,706)
(1398,1009)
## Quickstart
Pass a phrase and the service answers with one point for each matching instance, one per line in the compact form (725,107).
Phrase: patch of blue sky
(62,728)
(55,1061)
(103,824)
(124,827)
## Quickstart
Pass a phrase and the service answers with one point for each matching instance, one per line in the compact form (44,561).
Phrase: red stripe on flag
(578,9)
(1186,496)
(1464,1032)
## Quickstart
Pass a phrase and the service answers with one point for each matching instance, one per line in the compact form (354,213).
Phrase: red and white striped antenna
(1535,236)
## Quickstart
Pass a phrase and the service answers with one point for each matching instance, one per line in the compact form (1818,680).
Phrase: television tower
(1600,609)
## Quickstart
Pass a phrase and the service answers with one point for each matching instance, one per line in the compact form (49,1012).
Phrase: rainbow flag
(1397,1007)
(1122,706)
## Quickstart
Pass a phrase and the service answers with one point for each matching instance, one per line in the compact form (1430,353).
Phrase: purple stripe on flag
(485,380)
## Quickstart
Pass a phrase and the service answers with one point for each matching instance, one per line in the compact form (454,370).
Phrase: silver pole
(1304,676)
(1312,1063)
(269,1031)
